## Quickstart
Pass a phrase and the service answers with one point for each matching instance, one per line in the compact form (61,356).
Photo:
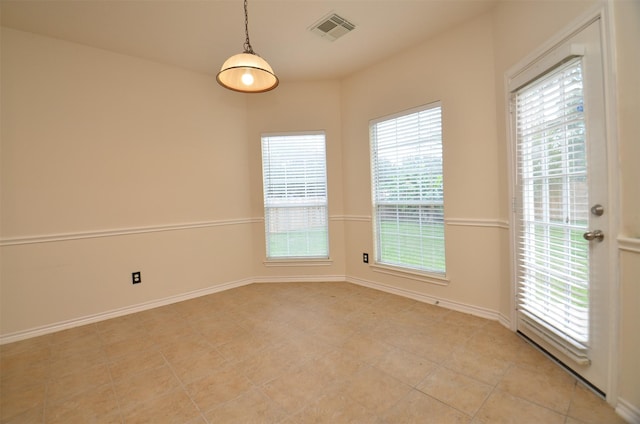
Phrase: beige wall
(96,142)
(313,106)
(627,32)
(629,345)
(457,69)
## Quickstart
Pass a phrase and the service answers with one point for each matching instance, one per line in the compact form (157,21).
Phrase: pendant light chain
(247,43)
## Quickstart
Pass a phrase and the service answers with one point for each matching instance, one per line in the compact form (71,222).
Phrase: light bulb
(247,78)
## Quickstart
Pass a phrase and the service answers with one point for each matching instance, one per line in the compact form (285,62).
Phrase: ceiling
(201,34)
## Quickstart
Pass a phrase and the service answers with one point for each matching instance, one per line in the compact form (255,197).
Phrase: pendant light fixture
(247,72)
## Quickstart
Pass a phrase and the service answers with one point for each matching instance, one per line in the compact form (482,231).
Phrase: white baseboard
(301,279)
(420,297)
(505,321)
(90,319)
(64,325)
(630,413)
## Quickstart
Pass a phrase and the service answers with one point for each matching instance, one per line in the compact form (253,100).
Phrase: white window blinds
(408,196)
(295,195)
(553,286)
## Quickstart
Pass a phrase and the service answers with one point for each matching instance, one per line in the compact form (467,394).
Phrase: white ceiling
(201,34)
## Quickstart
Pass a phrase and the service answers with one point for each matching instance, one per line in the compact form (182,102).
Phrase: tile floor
(290,353)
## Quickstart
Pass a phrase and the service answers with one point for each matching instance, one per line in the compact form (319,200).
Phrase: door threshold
(564,366)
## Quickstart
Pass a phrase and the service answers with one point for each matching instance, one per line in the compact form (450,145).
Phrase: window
(295,195)
(408,198)
(552,172)
(561,225)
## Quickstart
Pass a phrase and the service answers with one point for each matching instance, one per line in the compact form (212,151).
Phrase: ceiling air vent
(332,27)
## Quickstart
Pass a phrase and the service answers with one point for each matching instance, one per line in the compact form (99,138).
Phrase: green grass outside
(577,289)
(403,244)
(298,244)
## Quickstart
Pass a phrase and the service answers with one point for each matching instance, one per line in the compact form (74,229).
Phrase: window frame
(398,269)
(542,169)
(310,259)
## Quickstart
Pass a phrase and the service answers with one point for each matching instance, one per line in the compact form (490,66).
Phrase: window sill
(298,262)
(438,279)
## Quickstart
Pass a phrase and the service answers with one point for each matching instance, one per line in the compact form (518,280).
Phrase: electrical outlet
(365,258)
(136,277)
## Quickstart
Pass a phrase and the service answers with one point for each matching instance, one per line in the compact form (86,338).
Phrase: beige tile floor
(290,353)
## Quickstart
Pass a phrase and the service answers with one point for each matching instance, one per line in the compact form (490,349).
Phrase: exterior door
(560,205)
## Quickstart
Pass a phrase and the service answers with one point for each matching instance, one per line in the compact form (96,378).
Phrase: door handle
(593,235)
(597,210)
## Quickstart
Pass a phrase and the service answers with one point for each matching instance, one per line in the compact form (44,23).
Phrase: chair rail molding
(48,238)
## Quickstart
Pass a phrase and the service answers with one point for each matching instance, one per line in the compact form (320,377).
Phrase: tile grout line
(502,375)
(443,366)
(573,394)
(493,390)
(183,387)
(114,389)
(495,386)
(532,402)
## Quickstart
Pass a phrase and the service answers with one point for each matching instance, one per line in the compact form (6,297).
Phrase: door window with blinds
(408,196)
(295,195)
(553,286)
(562,206)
